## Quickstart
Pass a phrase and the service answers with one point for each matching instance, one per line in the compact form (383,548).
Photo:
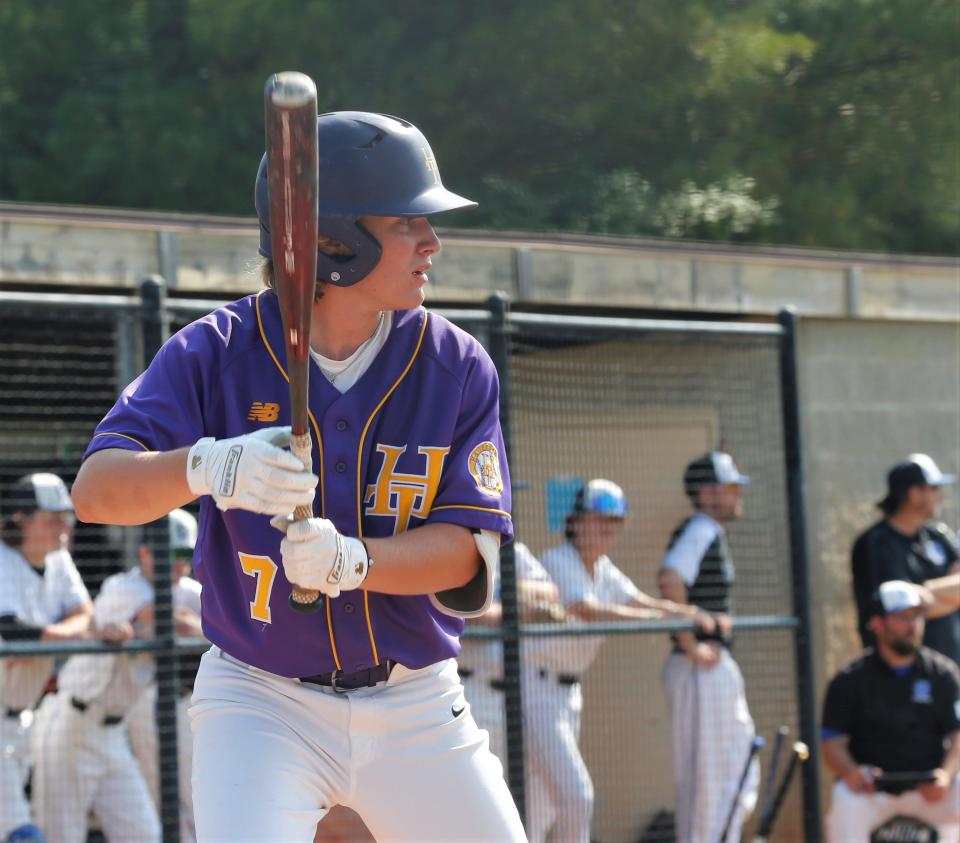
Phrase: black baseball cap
(915,470)
(713,468)
(42,491)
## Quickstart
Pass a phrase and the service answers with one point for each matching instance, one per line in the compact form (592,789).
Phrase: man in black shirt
(894,710)
(905,545)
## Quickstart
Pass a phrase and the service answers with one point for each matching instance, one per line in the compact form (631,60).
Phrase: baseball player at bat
(357,704)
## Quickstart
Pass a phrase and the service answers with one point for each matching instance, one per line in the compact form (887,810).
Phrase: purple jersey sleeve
(475,488)
(163,409)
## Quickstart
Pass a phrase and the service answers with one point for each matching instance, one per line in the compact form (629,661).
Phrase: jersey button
(341,425)
(348,608)
(341,466)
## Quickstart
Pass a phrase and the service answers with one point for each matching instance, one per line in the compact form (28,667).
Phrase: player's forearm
(589,610)
(668,608)
(115,486)
(951,759)
(946,593)
(837,757)
(76,625)
(431,558)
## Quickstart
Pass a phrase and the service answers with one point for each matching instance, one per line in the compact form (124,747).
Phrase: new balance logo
(263,412)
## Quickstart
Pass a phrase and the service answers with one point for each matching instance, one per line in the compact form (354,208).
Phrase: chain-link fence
(629,400)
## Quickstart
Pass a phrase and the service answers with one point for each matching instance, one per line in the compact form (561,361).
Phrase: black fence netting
(624,409)
(611,709)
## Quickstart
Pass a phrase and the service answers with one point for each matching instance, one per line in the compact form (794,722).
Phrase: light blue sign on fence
(561,492)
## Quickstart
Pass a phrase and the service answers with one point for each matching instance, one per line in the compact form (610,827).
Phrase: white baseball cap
(42,491)
(183,530)
(896,596)
(713,468)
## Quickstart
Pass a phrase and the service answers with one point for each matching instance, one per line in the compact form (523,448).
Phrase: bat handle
(303,599)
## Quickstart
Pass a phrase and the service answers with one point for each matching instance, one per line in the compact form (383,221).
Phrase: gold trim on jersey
(122,436)
(316,430)
(470,506)
(360,489)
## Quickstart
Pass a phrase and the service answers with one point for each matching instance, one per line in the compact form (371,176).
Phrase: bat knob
(304,608)
(290,89)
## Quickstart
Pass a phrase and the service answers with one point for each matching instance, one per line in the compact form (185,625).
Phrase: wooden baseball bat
(290,105)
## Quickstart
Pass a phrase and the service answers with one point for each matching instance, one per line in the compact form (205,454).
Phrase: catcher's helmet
(369,164)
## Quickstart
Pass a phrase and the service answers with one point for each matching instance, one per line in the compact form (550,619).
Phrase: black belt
(108,719)
(366,678)
(562,678)
(13,712)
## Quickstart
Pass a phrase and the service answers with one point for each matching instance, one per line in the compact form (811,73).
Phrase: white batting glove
(318,558)
(251,472)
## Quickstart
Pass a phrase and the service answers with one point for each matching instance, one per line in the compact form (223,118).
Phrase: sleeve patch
(484,465)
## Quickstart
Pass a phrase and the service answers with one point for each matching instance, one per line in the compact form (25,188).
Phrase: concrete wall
(872,392)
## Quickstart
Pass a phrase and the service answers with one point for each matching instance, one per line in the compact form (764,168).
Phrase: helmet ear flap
(346,270)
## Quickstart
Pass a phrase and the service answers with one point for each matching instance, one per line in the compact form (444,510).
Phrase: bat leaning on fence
(290,106)
(799,754)
(756,744)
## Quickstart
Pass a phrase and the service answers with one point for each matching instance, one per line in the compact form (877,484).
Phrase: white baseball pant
(854,816)
(551,722)
(142,725)
(487,707)
(14,767)
(271,755)
(712,732)
(80,763)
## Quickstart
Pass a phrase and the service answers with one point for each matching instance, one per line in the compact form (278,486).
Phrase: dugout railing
(614,394)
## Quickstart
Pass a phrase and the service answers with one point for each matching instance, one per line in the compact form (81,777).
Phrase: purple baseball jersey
(416,440)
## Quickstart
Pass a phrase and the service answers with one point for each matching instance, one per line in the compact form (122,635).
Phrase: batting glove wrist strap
(251,472)
(318,558)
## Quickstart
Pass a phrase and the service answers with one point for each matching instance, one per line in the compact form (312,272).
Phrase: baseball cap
(713,468)
(895,596)
(915,470)
(42,491)
(603,497)
(183,530)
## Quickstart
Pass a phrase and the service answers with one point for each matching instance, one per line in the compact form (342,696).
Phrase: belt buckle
(333,683)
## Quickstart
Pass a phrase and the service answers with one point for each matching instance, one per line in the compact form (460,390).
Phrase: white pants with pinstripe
(712,733)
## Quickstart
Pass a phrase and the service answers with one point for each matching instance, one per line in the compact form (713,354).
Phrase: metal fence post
(799,565)
(500,353)
(155,323)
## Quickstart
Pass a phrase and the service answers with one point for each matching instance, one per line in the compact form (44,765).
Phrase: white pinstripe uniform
(82,757)
(142,725)
(553,700)
(481,662)
(38,514)
(142,721)
(39,600)
(712,726)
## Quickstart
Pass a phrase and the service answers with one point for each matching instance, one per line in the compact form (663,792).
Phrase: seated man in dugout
(891,728)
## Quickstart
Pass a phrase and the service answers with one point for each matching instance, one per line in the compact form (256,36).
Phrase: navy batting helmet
(369,164)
